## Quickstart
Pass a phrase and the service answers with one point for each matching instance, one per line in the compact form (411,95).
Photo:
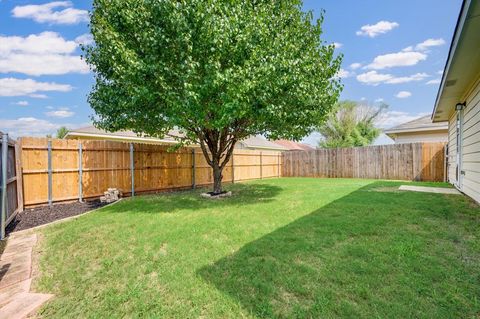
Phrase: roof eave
(435,116)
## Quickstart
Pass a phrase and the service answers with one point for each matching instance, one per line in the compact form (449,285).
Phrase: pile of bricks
(111,195)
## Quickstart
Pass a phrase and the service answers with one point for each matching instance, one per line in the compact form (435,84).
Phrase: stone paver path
(436,190)
(16,300)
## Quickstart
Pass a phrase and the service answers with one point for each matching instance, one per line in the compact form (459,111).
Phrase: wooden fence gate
(11,200)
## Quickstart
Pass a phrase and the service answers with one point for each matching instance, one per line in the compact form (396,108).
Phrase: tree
(218,71)
(61,132)
(350,124)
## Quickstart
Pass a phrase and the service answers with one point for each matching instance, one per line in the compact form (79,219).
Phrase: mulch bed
(32,217)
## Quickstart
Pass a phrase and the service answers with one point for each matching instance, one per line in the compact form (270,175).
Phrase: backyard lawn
(296,247)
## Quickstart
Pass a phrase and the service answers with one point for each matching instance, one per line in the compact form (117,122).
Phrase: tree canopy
(350,124)
(219,71)
(61,132)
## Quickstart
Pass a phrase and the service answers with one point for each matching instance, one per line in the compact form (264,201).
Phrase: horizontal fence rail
(60,170)
(414,161)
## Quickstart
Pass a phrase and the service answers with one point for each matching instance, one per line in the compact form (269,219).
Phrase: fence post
(4,184)
(278,165)
(19,174)
(233,167)
(132,169)
(193,169)
(261,165)
(50,173)
(80,173)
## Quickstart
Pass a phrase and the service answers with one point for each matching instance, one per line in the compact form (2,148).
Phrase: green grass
(297,247)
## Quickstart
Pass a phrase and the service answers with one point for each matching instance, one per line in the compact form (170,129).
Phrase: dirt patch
(45,214)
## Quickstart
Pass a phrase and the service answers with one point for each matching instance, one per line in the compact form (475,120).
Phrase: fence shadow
(242,194)
(338,257)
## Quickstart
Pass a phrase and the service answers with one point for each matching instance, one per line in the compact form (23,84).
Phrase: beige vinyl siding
(471,145)
(421,137)
(452,149)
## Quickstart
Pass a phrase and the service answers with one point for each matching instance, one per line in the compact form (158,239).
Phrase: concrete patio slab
(424,189)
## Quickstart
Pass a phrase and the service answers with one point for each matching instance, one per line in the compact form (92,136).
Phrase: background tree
(350,124)
(219,71)
(61,132)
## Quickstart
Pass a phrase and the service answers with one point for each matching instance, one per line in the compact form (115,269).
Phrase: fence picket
(416,161)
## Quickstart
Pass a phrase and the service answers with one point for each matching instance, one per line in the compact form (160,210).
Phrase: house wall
(421,137)
(471,144)
(470,157)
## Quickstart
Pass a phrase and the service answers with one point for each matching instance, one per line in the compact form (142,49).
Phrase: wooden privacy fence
(11,201)
(415,161)
(60,170)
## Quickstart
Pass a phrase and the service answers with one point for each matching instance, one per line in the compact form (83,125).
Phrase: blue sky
(394,51)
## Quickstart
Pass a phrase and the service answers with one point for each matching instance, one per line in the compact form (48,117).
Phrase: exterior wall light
(460,106)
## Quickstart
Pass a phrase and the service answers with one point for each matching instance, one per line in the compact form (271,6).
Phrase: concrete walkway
(16,300)
(436,190)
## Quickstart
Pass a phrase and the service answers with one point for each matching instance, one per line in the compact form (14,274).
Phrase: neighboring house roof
(260,142)
(422,124)
(463,62)
(91,132)
(294,146)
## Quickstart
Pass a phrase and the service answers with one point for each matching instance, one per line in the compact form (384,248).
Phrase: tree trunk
(217,147)
(217,178)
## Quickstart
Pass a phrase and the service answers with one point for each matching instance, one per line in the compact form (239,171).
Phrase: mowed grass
(286,248)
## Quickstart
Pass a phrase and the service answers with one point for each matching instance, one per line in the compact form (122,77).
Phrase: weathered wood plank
(416,161)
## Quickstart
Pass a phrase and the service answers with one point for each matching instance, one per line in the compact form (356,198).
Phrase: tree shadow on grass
(369,254)
(242,194)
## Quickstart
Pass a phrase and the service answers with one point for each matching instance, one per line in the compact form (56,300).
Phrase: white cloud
(62,112)
(26,126)
(375,78)
(40,54)
(408,56)
(393,118)
(403,94)
(434,81)
(440,72)
(85,39)
(52,13)
(43,43)
(425,45)
(396,59)
(342,73)
(36,65)
(38,96)
(21,103)
(406,79)
(379,100)
(355,66)
(377,29)
(29,87)
(337,45)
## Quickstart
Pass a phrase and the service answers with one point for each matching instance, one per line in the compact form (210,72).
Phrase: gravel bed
(32,217)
